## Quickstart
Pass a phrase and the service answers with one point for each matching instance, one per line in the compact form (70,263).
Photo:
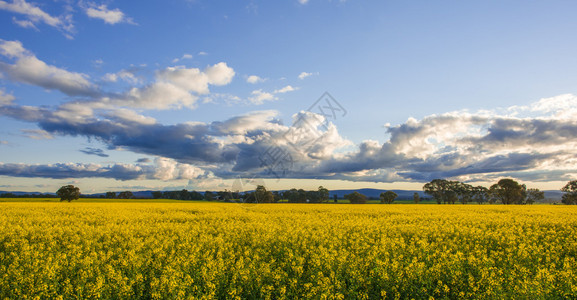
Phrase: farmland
(273,251)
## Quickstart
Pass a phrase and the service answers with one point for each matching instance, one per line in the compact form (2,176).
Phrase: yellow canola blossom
(286,251)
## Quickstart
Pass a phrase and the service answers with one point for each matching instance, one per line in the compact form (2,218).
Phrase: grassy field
(51,250)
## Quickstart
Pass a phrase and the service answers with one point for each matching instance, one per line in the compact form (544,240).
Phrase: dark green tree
(156,194)
(439,189)
(356,198)
(110,195)
(209,196)
(323,194)
(480,194)
(68,193)
(262,195)
(508,191)
(291,195)
(388,197)
(125,195)
(570,196)
(416,198)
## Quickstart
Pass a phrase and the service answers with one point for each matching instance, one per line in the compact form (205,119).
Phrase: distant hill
(19,193)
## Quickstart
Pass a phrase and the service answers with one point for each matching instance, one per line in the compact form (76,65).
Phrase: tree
(480,194)
(194,195)
(125,195)
(416,198)
(291,195)
(277,196)
(463,191)
(388,197)
(534,195)
(110,195)
(323,194)
(336,198)
(302,196)
(508,191)
(156,194)
(208,196)
(439,190)
(68,193)
(356,198)
(262,195)
(570,196)
(313,197)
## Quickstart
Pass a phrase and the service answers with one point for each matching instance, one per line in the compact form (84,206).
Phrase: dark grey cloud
(452,145)
(94,151)
(163,169)
(72,170)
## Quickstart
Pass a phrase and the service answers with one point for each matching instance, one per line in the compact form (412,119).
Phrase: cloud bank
(534,142)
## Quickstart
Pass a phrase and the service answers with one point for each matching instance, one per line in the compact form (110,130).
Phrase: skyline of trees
(506,191)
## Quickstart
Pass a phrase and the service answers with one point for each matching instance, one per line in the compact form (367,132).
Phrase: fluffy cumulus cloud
(254,79)
(259,97)
(109,16)
(172,87)
(175,87)
(27,68)
(534,142)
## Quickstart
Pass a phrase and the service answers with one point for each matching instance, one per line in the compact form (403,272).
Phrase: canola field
(286,251)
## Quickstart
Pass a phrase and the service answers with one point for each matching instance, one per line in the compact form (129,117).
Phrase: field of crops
(277,251)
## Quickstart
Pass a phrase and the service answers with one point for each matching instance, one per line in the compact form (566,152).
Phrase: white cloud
(24,23)
(285,89)
(219,74)
(160,95)
(29,69)
(254,79)
(303,1)
(123,75)
(36,15)
(109,16)
(202,53)
(130,116)
(194,79)
(304,75)
(175,87)
(5,99)
(169,169)
(37,134)
(259,97)
(13,49)
(184,56)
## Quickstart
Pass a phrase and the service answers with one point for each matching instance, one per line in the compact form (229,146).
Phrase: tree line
(506,191)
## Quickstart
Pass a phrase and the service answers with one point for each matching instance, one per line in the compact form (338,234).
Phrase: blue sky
(117,95)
